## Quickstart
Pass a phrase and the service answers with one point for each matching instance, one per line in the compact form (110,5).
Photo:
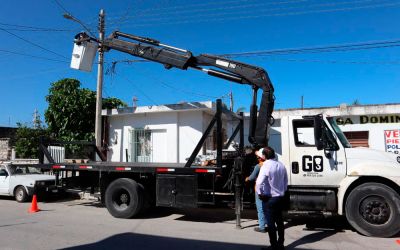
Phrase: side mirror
(328,154)
(318,131)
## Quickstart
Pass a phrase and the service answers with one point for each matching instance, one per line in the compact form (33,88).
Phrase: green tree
(27,140)
(72,110)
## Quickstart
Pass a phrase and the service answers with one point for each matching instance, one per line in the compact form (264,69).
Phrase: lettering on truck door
(309,166)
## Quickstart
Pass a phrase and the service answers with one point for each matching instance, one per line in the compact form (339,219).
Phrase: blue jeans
(260,213)
(273,214)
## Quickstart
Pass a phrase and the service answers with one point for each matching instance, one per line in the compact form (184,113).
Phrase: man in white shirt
(271,186)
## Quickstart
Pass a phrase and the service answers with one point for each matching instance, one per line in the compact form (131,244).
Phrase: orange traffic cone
(34,207)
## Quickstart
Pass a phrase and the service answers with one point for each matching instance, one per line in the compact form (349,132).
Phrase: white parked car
(20,181)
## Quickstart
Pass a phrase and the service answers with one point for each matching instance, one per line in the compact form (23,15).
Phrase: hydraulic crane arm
(227,69)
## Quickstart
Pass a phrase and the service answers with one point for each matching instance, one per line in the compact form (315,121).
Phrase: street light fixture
(72,18)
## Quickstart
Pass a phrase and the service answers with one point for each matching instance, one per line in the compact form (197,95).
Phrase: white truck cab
(328,176)
(19,181)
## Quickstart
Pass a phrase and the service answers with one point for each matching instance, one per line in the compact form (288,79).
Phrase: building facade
(165,133)
(169,133)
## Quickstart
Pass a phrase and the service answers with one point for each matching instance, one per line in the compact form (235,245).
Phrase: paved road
(82,224)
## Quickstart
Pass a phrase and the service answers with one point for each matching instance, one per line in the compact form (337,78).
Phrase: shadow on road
(141,241)
(215,215)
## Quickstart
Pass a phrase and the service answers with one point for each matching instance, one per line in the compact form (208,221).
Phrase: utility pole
(36,119)
(100,67)
(134,102)
(302,102)
(231,101)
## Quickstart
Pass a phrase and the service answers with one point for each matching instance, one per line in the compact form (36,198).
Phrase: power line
(31,28)
(61,6)
(143,93)
(253,11)
(33,56)
(162,82)
(32,43)
(224,8)
(193,5)
(68,15)
(333,61)
(35,30)
(332,48)
(253,16)
(304,50)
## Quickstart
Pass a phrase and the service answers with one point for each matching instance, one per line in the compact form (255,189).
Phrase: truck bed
(138,167)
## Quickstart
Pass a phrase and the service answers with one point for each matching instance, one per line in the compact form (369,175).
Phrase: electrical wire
(332,61)
(252,11)
(33,56)
(84,25)
(167,85)
(307,50)
(151,10)
(253,16)
(163,83)
(32,28)
(32,43)
(329,48)
(223,8)
(141,91)
(61,6)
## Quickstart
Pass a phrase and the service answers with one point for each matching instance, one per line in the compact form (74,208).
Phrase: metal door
(176,190)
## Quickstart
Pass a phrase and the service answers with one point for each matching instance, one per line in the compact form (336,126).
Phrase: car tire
(373,209)
(124,198)
(20,194)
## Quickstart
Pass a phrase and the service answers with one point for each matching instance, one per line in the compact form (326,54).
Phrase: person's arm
(254,174)
(286,180)
(260,179)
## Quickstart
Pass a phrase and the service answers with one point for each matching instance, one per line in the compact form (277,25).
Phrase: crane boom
(234,71)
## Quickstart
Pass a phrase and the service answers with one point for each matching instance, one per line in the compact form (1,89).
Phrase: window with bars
(140,145)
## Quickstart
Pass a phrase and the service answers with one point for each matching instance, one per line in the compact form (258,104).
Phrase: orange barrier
(34,207)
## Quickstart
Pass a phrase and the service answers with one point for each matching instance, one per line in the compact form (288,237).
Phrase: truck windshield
(339,133)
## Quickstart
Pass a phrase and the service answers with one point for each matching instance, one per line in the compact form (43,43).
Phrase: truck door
(308,165)
(4,181)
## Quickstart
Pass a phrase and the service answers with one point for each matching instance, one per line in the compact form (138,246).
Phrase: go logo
(313,163)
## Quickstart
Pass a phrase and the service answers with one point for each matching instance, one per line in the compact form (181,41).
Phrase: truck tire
(124,198)
(20,194)
(373,209)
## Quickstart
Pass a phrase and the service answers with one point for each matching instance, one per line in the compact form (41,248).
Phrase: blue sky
(215,27)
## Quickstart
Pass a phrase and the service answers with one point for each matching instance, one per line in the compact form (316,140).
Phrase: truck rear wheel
(124,198)
(373,209)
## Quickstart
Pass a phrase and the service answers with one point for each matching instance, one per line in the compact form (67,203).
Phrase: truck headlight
(40,183)
(398,159)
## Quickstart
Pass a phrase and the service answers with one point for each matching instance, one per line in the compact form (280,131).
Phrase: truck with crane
(326,175)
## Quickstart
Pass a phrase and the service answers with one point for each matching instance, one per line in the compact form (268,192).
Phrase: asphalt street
(83,224)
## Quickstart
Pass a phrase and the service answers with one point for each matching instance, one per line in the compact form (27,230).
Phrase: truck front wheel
(124,198)
(20,194)
(373,209)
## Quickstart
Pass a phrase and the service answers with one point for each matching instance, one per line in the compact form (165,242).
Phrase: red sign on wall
(392,141)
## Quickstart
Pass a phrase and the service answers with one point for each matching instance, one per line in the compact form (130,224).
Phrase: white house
(169,133)
(165,133)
